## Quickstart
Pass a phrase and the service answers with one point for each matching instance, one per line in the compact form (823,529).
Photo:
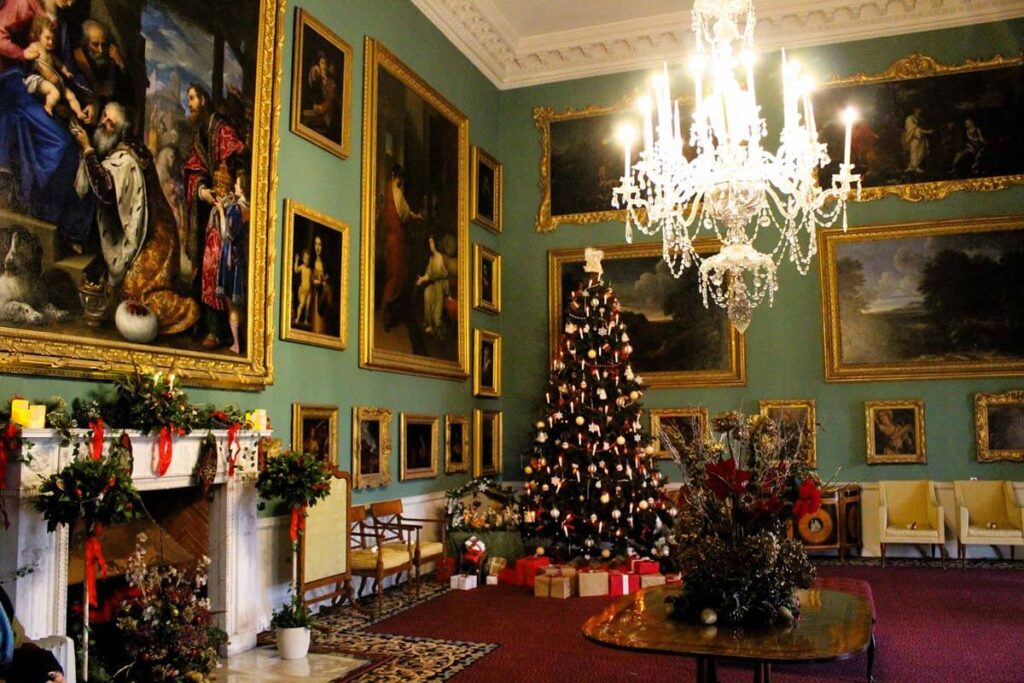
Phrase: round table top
(833,625)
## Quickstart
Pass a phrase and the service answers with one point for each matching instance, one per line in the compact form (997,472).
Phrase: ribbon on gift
(9,441)
(298,523)
(233,447)
(96,444)
(93,557)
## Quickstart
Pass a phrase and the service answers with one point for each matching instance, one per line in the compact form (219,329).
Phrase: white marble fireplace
(40,596)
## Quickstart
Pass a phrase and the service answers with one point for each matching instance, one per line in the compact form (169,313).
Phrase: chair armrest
(939,520)
(965,522)
(423,519)
(1014,510)
(883,518)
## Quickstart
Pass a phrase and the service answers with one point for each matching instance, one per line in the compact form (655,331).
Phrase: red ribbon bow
(97,438)
(9,439)
(93,557)
(298,522)
(164,449)
(233,447)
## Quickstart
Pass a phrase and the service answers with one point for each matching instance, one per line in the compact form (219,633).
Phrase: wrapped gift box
(592,583)
(492,580)
(559,570)
(463,582)
(528,567)
(546,586)
(674,579)
(495,565)
(648,580)
(508,577)
(620,583)
(644,566)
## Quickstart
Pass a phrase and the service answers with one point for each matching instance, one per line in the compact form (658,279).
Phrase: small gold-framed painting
(314,303)
(456,444)
(797,427)
(315,431)
(371,447)
(321,85)
(682,427)
(486,279)
(895,432)
(485,194)
(999,426)
(418,446)
(486,363)
(486,442)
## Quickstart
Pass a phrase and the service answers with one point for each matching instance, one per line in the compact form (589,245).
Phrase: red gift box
(444,568)
(528,567)
(620,583)
(507,577)
(644,566)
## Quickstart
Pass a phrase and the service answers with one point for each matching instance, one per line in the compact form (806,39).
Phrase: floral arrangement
(731,524)
(166,624)
(482,505)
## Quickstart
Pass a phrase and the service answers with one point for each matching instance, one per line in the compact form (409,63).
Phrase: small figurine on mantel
(593,261)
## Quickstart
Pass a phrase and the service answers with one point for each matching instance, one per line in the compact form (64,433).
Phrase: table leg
(702,670)
(763,672)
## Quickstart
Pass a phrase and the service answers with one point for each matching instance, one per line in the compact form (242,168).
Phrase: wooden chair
(390,518)
(369,557)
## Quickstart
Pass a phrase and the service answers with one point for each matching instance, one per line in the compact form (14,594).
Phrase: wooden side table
(835,525)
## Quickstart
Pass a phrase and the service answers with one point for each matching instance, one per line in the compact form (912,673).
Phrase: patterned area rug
(392,658)
(951,562)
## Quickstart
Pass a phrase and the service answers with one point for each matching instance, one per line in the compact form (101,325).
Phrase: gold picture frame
(92,347)
(371,447)
(487,442)
(315,431)
(486,363)
(1001,438)
(895,432)
(457,445)
(903,86)
(678,420)
(303,312)
(313,115)
(418,446)
(392,332)
(797,424)
(726,358)
(486,190)
(869,335)
(486,279)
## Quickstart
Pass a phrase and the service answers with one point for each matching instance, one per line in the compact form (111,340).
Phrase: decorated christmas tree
(592,485)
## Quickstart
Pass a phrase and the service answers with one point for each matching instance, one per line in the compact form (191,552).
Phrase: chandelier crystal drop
(720,181)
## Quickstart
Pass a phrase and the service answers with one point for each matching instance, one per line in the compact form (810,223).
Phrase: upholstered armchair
(371,559)
(909,512)
(390,518)
(987,514)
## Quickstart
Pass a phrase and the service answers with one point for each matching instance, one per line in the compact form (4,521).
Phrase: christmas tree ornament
(528,471)
(621,440)
(555,513)
(605,498)
(580,420)
(541,424)
(606,553)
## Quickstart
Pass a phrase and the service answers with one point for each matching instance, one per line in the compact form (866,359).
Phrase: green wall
(318,179)
(784,349)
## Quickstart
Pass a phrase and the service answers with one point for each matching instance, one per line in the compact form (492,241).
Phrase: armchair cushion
(427,548)
(366,560)
(1007,532)
(903,504)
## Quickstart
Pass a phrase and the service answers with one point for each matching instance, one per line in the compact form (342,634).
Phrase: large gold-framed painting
(677,341)
(999,426)
(156,252)
(926,129)
(414,315)
(931,300)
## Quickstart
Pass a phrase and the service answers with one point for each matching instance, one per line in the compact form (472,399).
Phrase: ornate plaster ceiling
(517,43)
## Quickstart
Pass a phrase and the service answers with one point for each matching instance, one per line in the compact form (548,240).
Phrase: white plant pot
(293,643)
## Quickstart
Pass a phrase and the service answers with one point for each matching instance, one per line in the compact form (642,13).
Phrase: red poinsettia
(809,499)
(724,478)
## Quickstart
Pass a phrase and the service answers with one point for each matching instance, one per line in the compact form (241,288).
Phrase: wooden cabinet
(836,524)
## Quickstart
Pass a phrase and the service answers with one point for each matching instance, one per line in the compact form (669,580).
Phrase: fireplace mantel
(40,596)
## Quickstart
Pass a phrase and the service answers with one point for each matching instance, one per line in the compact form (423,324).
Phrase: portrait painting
(314,302)
(315,431)
(926,129)
(677,341)
(682,428)
(485,208)
(418,435)
(137,194)
(456,444)
(924,300)
(414,316)
(999,426)
(321,85)
(486,363)
(371,447)
(487,445)
(486,279)
(798,427)
(895,432)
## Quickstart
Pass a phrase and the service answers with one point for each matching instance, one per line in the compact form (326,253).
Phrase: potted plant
(299,480)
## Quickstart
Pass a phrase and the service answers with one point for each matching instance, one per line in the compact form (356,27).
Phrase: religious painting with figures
(135,198)
(315,431)
(415,231)
(371,447)
(895,432)
(321,85)
(456,440)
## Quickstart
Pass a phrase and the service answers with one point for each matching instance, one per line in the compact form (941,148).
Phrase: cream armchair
(909,512)
(987,514)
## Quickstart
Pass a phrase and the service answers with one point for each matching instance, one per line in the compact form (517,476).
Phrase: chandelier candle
(720,181)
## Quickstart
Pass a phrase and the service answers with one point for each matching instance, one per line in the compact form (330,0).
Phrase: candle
(849,116)
(37,417)
(259,420)
(19,412)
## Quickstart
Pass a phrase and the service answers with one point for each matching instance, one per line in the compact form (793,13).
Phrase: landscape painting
(414,316)
(926,129)
(925,300)
(677,341)
(164,264)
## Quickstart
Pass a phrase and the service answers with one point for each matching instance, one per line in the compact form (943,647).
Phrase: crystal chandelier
(724,182)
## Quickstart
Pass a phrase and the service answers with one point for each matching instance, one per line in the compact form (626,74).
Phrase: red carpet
(933,625)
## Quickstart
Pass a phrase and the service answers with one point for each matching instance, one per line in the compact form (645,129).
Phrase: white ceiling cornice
(488,38)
